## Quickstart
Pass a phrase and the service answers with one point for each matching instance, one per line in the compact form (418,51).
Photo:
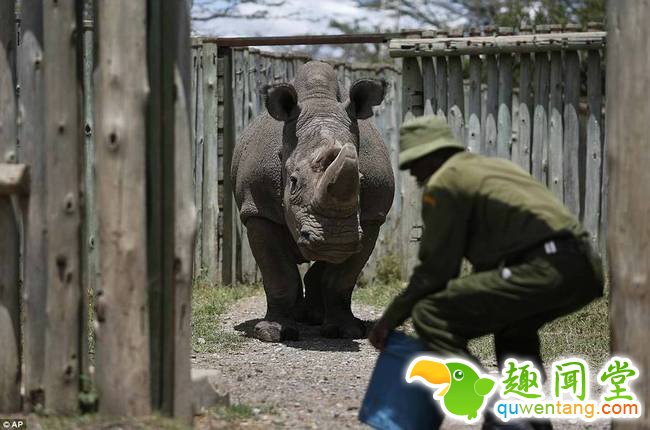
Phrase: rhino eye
(458,375)
(294,184)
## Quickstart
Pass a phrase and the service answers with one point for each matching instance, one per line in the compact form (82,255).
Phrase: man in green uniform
(531,258)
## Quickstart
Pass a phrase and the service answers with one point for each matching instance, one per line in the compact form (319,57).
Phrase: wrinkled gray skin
(313,182)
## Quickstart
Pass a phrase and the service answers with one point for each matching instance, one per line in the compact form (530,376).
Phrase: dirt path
(314,383)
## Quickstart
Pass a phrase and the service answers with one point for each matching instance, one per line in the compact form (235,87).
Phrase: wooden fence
(89,167)
(226,95)
(536,98)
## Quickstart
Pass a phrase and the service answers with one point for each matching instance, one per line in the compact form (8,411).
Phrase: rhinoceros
(313,182)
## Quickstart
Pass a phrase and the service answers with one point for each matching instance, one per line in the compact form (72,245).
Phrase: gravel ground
(314,383)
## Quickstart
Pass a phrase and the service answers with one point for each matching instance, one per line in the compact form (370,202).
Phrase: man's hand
(379,333)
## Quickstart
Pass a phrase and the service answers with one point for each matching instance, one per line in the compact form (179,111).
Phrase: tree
(513,13)
(207,10)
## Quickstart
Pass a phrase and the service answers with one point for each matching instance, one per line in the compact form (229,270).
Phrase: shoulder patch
(429,200)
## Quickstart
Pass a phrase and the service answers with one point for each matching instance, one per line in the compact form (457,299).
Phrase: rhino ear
(364,94)
(281,101)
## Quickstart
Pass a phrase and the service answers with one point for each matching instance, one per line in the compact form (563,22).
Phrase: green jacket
(483,209)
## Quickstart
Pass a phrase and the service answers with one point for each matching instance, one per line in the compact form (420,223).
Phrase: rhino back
(257,170)
(378,183)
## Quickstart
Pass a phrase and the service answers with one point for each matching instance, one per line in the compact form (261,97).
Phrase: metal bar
(329,39)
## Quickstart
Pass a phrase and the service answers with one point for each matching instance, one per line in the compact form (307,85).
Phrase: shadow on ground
(310,338)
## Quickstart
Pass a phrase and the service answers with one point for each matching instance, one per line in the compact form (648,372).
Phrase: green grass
(94,421)
(584,333)
(233,412)
(209,303)
(378,295)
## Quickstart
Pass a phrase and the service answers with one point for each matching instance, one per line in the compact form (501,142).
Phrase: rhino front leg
(271,245)
(338,281)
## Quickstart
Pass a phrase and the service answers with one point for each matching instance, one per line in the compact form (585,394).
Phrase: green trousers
(512,302)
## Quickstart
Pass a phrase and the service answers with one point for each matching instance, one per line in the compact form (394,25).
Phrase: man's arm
(444,214)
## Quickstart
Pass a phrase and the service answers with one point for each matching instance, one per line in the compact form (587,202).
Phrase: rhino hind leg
(338,281)
(282,284)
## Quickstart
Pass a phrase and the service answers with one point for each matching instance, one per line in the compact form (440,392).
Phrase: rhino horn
(338,189)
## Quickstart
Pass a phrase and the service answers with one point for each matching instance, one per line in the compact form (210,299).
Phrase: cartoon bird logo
(461,391)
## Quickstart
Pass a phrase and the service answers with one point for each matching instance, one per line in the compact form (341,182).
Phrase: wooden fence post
(410,221)
(90,235)
(9,227)
(504,113)
(520,153)
(492,108)
(594,178)
(412,87)
(441,86)
(199,152)
(122,318)
(456,108)
(540,120)
(185,223)
(32,105)
(474,126)
(592,215)
(229,207)
(62,35)
(555,152)
(628,86)
(210,252)
(428,85)
(571,155)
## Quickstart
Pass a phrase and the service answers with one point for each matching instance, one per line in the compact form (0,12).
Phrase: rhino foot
(274,331)
(352,328)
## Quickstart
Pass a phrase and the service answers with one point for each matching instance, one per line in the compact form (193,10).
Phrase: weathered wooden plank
(628,86)
(10,332)
(491,114)
(90,264)
(497,44)
(412,87)
(185,223)
(63,173)
(504,114)
(474,107)
(555,133)
(199,152)
(571,132)
(456,113)
(540,120)
(122,318)
(248,264)
(410,220)
(441,86)
(521,148)
(32,97)
(192,105)
(239,67)
(210,207)
(229,208)
(157,203)
(594,154)
(428,85)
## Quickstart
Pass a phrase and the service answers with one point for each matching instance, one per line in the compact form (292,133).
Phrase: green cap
(422,136)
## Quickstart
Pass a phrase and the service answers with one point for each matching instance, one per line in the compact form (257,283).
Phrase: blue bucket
(390,402)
